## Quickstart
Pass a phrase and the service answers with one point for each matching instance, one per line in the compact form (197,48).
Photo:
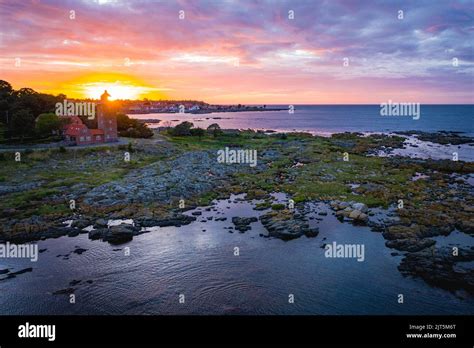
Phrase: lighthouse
(106,120)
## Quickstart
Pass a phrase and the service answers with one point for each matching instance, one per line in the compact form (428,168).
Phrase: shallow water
(416,148)
(201,265)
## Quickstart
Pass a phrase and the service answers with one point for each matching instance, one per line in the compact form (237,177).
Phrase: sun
(116,90)
(119,86)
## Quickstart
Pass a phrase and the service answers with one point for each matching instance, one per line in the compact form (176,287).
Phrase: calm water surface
(201,265)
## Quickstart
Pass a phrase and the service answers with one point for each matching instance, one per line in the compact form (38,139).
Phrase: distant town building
(77,133)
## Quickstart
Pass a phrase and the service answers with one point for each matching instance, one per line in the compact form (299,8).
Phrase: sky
(249,52)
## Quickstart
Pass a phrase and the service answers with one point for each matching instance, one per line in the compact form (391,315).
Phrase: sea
(328,119)
(207,268)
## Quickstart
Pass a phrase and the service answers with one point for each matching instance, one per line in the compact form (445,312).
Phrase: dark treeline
(20,108)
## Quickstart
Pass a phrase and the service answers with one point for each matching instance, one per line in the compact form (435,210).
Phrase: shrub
(48,124)
(132,128)
(214,129)
(182,129)
(278,206)
(197,132)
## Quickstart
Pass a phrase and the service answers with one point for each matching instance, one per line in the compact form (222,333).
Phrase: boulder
(242,224)
(360,207)
(355,214)
(441,268)
(287,226)
(410,244)
(81,223)
(101,223)
(176,220)
(95,234)
(118,235)
(402,232)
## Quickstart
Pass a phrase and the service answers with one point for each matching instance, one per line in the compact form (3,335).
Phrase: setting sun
(118,85)
(116,91)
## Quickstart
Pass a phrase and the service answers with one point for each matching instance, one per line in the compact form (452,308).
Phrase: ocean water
(198,261)
(325,119)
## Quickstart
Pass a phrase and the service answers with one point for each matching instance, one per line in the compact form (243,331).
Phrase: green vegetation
(48,124)
(214,129)
(245,139)
(19,110)
(89,167)
(324,174)
(132,128)
(278,206)
(305,167)
(182,129)
(197,132)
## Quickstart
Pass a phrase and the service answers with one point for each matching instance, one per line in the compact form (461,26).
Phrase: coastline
(309,169)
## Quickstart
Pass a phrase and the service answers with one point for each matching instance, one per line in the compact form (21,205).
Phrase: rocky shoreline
(339,170)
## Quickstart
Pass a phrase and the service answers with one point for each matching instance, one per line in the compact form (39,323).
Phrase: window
(81,138)
(88,138)
(97,137)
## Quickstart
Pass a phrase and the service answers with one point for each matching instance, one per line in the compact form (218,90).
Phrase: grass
(207,198)
(47,209)
(324,175)
(278,206)
(64,170)
(208,142)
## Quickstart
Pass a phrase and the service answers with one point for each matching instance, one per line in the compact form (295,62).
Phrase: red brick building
(77,133)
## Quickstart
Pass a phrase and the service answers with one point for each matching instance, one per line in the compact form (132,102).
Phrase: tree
(47,124)
(23,123)
(182,129)
(24,105)
(132,128)
(214,129)
(144,131)
(197,132)
(6,99)
(124,122)
(36,103)
(5,88)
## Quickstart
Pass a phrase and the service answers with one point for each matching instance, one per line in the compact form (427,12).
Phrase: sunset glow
(251,53)
(117,91)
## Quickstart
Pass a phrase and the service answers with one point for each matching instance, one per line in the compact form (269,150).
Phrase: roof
(74,129)
(72,119)
(97,132)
